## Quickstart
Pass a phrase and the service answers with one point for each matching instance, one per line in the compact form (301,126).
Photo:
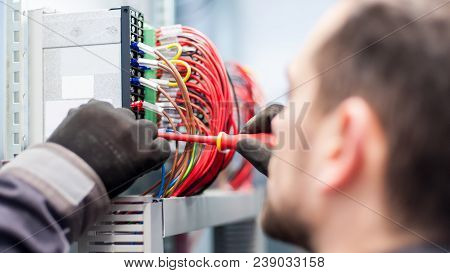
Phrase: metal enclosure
(78,56)
(2,80)
(37,41)
(14,117)
(57,61)
(139,224)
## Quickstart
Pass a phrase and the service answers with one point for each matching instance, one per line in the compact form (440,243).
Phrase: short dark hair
(397,58)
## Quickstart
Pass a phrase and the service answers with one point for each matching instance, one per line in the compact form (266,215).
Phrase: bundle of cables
(194,96)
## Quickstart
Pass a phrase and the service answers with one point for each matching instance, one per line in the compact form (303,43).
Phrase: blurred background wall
(264,35)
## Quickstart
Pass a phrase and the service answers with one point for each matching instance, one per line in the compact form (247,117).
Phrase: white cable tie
(161,82)
(146,48)
(169,34)
(148,62)
(149,83)
(171,31)
(152,107)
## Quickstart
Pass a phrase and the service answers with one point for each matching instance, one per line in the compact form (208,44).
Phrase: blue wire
(163,180)
(173,182)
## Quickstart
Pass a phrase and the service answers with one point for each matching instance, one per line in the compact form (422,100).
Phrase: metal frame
(139,224)
(2,80)
(16,80)
(125,54)
(35,82)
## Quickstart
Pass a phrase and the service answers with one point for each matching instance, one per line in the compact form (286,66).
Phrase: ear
(344,155)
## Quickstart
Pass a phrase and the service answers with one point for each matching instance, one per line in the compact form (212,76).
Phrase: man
(366,171)
(374,175)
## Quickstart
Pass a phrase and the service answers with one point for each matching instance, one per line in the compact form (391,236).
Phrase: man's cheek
(278,193)
(274,197)
(271,190)
(273,184)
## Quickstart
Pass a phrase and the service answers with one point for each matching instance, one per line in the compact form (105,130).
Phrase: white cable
(146,48)
(162,82)
(148,62)
(152,107)
(149,83)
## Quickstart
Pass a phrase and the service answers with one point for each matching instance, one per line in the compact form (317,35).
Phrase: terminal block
(132,30)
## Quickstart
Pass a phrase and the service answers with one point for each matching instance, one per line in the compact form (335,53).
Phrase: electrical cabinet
(82,55)
(67,58)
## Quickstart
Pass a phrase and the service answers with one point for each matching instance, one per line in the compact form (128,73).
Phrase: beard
(284,227)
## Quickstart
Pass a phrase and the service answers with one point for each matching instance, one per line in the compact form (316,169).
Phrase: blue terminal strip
(135,63)
(134,45)
(135,81)
(132,34)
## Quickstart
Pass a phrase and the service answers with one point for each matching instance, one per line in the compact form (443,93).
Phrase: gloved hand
(254,151)
(112,142)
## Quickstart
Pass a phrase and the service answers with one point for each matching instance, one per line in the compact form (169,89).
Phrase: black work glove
(254,151)
(118,147)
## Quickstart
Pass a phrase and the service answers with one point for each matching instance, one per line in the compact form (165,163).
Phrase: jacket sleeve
(48,198)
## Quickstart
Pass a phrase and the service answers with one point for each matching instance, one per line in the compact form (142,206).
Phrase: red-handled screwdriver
(222,141)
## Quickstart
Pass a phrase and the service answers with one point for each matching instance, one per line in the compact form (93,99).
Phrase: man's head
(375,172)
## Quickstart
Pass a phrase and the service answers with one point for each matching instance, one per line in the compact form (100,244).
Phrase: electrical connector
(135,63)
(143,47)
(139,105)
(134,45)
(152,84)
(132,33)
(135,81)
(162,82)
(148,62)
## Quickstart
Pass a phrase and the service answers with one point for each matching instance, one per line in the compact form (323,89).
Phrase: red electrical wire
(207,108)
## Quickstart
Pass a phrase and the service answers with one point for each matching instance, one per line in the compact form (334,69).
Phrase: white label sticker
(55,111)
(77,87)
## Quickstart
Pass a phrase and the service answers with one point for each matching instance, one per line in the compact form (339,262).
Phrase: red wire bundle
(210,95)
(203,105)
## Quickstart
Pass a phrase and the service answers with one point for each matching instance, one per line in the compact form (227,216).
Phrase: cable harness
(195,96)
